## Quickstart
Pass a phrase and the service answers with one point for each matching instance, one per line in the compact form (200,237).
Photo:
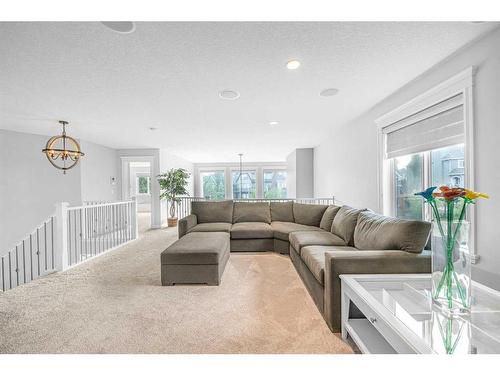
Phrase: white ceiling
(113,87)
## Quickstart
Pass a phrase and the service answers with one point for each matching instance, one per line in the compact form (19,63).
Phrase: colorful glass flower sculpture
(450,199)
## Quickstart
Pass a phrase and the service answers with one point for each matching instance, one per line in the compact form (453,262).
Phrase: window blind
(438,126)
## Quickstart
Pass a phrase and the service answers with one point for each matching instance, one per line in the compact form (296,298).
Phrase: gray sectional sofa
(323,242)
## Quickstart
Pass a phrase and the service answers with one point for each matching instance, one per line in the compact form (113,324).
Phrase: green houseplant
(173,185)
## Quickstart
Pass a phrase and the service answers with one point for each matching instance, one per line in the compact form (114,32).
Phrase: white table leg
(344,313)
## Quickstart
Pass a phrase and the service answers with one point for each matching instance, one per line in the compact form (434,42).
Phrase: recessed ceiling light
(329,92)
(229,94)
(122,27)
(273,123)
(293,64)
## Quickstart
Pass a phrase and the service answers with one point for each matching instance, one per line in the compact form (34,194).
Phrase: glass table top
(409,301)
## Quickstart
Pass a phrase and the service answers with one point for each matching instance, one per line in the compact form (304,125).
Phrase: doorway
(138,182)
(140,187)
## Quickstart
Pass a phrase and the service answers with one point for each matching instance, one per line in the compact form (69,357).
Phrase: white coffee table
(400,319)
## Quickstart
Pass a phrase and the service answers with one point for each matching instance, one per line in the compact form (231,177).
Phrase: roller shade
(435,127)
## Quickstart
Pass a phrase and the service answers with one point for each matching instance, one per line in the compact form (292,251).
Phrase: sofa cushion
(298,240)
(283,229)
(252,230)
(344,223)
(213,211)
(308,214)
(245,212)
(211,227)
(327,219)
(197,248)
(282,211)
(377,232)
(314,258)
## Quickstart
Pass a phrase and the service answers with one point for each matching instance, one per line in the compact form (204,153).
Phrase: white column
(61,233)
(135,224)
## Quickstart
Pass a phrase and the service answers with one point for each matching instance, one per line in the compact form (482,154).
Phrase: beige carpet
(115,304)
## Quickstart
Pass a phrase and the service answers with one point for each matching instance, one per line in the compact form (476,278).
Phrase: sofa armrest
(187,223)
(364,262)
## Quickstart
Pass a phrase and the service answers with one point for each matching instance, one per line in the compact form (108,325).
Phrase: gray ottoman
(196,258)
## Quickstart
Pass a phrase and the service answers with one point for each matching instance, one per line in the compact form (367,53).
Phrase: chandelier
(62,151)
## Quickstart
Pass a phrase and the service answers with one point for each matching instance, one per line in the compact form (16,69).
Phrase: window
(143,185)
(244,184)
(213,185)
(444,166)
(426,148)
(274,184)
(428,142)
(447,168)
(408,179)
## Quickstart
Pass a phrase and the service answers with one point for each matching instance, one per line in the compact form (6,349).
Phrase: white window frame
(211,170)
(137,176)
(461,83)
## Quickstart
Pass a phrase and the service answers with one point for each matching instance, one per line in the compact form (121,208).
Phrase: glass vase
(451,267)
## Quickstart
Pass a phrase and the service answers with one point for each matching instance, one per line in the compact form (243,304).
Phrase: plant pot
(172,221)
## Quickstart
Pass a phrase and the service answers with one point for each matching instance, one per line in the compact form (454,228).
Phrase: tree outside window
(275,184)
(143,185)
(213,185)
(408,178)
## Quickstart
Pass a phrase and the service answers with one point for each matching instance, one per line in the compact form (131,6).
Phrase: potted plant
(173,185)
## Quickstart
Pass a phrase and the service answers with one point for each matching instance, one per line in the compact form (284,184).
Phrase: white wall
(169,161)
(30,186)
(98,166)
(300,173)
(346,163)
(291,174)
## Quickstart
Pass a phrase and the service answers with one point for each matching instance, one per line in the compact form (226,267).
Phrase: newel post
(135,224)
(61,240)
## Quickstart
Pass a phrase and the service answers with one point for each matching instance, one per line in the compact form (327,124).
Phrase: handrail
(69,237)
(104,204)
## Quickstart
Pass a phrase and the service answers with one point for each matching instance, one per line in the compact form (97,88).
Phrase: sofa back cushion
(251,212)
(308,214)
(377,232)
(213,211)
(282,211)
(327,219)
(344,223)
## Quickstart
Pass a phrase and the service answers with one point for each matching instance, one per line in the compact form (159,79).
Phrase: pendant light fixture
(62,151)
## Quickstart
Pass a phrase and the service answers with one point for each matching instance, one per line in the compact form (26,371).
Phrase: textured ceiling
(113,87)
